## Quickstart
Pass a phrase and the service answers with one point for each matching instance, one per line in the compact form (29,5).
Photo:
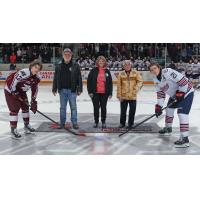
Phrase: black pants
(100,101)
(132,109)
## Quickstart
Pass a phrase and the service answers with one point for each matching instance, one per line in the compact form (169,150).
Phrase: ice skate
(182,143)
(29,130)
(166,131)
(15,135)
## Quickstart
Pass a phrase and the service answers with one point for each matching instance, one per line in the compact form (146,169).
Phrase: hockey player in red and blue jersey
(17,84)
(177,87)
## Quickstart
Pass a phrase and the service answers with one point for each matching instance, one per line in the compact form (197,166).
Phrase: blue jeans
(65,96)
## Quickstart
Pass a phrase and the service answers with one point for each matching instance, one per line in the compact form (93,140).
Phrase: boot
(28,129)
(182,143)
(166,131)
(14,134)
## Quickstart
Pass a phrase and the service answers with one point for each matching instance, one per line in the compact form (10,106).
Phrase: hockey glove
(158,110)
(179,96)
(33,106)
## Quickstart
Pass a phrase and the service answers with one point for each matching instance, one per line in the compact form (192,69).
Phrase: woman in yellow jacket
(128,84)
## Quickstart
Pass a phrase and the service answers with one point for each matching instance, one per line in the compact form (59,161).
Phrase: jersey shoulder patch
(169,73)
(165,74)
(24,73)
(165,70)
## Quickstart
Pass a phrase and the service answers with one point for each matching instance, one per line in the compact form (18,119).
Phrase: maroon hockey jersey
(22,81)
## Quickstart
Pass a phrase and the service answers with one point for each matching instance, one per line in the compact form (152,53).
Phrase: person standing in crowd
(13,58)
(12,67)
(17,84)
(188,70)
(128,84)
(172,65)
(19,55)
(195,73)
(100,88)
(68,82)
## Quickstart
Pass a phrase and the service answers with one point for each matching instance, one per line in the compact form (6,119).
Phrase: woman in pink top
(99,85)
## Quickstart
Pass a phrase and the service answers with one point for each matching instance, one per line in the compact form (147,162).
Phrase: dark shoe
(75,126)
(61,126)
(166,131)
(121,126)
(95,125)
(182,143)
(129,126)
(103,125)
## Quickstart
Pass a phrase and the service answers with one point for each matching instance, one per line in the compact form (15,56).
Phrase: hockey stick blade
(67,129)
(70,131)
(146,119)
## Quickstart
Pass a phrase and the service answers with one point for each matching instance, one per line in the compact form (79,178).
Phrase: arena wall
(48,73)
(47,76)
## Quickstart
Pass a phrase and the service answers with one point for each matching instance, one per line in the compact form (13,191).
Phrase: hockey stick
(174,101)
(72,132)
(67,129)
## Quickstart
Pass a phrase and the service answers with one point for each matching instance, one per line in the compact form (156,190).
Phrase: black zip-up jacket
(76,78)
(92,81)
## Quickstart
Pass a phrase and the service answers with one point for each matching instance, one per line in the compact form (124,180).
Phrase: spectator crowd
(114,63)
(141,54)
(27,52)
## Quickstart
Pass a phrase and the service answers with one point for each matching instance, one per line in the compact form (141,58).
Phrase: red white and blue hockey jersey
(172,81)
(22,81)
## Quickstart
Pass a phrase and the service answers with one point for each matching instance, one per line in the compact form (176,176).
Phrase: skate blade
(165,134)
(30,133)
(182,146)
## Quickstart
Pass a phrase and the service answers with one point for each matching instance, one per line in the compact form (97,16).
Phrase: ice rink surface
(50,143)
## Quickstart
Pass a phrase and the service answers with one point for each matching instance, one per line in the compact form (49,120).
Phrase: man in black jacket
(68,82)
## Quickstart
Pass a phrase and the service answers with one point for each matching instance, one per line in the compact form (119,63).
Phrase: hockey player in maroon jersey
(17,84)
